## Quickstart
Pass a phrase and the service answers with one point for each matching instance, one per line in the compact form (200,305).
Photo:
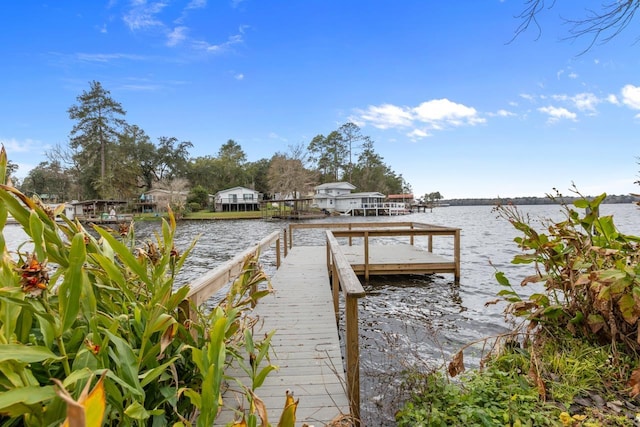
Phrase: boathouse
(158,199)
(98,210)
(237,199)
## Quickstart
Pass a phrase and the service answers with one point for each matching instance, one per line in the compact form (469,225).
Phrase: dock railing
(343,278)
(366,230)
(210,283)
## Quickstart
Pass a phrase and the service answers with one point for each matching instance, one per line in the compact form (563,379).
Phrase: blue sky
(450,102)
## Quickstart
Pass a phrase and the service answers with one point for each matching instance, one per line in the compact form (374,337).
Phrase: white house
(337,197)
(237,199)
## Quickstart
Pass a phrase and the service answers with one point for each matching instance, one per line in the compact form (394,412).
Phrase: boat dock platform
(320,367)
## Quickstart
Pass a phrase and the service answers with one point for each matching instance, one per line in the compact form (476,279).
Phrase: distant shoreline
(613,199)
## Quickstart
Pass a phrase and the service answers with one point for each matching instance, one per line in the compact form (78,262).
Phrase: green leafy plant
(577,342)
(589,270)
(79,306)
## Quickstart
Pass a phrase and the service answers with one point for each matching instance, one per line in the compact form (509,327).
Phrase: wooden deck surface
(306,344)
(397,258)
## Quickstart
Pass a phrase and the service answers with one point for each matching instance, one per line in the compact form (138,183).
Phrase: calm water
(417,321)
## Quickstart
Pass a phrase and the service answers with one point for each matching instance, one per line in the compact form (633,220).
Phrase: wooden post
(278,253)
(352,350)
(366,255)
(290,236)
(411,238)
(456,254)
(335,289)
(430,242)
(350,241)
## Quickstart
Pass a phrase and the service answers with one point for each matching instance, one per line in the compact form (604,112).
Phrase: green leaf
(262,375)
(15,402)
(154,373)
(36,233)
(581,204)
(628,308)
(502,279)
(248,341)
(553,312)
(26,353)
(125,362)
(578,318)
(137,412)
(524,259)
(126,256)
(71,288)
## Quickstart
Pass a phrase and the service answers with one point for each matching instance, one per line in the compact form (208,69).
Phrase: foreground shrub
(91,323)
(573,359)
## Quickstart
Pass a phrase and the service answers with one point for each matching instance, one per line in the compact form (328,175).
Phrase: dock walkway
(311,284)
(306,345)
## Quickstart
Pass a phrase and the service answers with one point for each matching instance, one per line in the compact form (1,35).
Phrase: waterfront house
(237,199)
(338,197)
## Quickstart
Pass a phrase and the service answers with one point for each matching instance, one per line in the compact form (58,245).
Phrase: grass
(224,215)
(202,215)
(522,386)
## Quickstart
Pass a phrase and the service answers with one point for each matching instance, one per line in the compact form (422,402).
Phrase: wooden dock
(303,310)
(306,346)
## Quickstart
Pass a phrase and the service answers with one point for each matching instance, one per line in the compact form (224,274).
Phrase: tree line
(108,158)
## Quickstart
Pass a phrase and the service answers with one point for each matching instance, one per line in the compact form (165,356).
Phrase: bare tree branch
(599,25)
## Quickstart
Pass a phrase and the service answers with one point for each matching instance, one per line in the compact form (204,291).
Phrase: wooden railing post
(278,253)
(285,243)
(456,254)
(290,236)
(366,255)
(352,350)
(335,290)
(411,238)
(430,242)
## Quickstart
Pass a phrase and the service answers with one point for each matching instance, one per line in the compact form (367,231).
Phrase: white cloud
(631,96)
(418,134)
(443,110)
(437,114)
(177,36)
(585,101)
(613,99)
(14,146)
(557,113)
(386,116)
(573,75)
(503,113)
(527,96)
(197,4)
(239,76)
(142,15)
(217,48)
(107,57)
